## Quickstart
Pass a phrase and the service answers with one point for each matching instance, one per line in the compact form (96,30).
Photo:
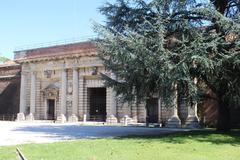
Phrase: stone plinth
(134,119)
(20,117)
(30,117)
(192,122)
(111,119)
(61,118)
(73,118)
(174,122)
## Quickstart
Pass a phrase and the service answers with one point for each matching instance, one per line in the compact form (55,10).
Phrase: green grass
(197,145)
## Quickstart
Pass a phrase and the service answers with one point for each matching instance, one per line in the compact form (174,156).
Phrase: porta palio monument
(63,83)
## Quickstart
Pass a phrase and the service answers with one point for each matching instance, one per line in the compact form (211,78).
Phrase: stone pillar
(62,118)
(174,121)
(82,110)
(111,106)
(134,111)
(73,117)
(192,119)
(32,97)
(22,109)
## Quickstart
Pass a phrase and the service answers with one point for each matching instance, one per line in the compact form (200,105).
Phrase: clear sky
(29,22)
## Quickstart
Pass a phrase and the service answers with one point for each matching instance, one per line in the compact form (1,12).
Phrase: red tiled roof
(59,50)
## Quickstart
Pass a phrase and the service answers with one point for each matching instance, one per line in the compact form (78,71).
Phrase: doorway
(97,102)
(152,110)
(51,109)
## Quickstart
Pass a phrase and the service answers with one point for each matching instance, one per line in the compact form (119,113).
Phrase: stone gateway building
(63,83)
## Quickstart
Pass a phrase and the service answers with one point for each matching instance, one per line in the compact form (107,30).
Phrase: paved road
(12,133)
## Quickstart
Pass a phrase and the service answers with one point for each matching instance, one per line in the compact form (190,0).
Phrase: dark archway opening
(97,102)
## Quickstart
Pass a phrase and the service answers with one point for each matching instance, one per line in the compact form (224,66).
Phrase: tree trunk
(223,124)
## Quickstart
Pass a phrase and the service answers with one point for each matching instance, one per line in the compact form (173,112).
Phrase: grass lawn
(196,145)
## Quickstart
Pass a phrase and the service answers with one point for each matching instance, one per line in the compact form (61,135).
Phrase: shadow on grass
(210,136)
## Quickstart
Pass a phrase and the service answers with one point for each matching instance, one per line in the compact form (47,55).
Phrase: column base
(61,118)
(111,119)
(20,117)
(30,117)
(73,118)
(135,119)
(174,122)
(192,122)
(126,120)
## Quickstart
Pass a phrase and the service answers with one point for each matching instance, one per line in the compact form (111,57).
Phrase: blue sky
(29,22)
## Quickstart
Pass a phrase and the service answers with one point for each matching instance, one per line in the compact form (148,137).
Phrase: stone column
(174,121)
(82,110)
(134,113)
(32,97)
(62,118)
(192,119)
(73,117)
(111,106)
(22,109)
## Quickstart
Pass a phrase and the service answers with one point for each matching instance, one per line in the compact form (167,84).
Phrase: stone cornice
(10,66)
(56,57)
(56,52)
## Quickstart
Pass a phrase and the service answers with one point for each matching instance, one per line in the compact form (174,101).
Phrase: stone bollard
(125,121)
(73,118)
(61,118)
(20,117)
(84,118)
(30,117)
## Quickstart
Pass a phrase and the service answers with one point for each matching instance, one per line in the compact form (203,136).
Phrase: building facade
(63,83)
(9,90)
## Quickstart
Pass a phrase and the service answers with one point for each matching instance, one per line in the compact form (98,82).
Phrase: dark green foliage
(152,46)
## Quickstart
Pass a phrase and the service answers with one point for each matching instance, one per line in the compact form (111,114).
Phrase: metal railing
(55,43)
(8,117)
(97,118)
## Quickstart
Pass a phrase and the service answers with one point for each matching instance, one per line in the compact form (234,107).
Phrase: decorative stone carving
(48,73)
(51,91)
